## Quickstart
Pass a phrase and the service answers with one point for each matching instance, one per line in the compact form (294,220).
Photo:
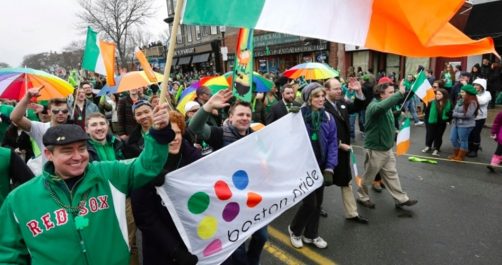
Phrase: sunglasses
(56,111)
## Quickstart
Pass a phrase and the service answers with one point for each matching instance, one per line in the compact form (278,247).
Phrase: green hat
(469,89)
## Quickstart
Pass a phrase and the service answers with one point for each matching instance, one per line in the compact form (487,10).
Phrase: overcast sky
(34,26)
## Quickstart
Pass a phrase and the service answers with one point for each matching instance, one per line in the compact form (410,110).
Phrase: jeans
(252,255)
(352,122)
(459,137)
(411,106)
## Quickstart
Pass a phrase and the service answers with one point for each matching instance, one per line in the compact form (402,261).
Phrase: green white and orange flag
(380,25)
(423,89)
(99,56)
(242,84)
(357,177)
(147,68)
(403,138)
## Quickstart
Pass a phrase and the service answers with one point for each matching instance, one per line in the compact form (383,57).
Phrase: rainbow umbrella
(261,84)
(14,82)
(214,83)
(311,71)
(128,81)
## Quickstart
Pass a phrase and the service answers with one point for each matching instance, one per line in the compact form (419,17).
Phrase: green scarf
(105,151)
(316,124)
(433,114)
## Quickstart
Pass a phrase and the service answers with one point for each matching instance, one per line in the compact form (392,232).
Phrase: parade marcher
(161,241)
(496,134)
(80,206)
(142,111)
(379,156)
(13,172)
(410,103)
(102,145)
(58,110)
(455,90)
(126,122)
(282,107)
(484,98)
(236,127)
(321,128)
(437,115)
(82,106)
(464,115)
(340,109)
(202,95)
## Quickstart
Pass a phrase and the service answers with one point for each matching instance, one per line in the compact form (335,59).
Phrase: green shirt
(379,128)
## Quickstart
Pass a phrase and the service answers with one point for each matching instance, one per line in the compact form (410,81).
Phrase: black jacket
(162,244)
(342,172)
(278,111)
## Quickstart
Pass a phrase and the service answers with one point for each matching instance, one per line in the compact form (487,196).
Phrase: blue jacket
(328,140)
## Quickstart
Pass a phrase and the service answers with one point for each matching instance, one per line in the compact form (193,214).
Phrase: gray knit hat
(308,89)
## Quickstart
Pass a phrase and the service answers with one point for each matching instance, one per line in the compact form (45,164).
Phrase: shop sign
(295,49)
(184,51)
(274,39)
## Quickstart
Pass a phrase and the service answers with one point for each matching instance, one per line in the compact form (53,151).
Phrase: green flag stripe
(420,80)
(406,123)
(91,52)
(237,13)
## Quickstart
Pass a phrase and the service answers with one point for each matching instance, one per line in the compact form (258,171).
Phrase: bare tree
(136,38)
(115,18)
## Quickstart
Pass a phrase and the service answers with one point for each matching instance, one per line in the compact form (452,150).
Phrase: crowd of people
(98,159)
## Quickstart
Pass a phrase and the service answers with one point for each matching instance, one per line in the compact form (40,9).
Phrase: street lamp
(224,50)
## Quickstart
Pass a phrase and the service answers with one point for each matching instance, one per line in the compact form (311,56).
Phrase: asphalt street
(457,219)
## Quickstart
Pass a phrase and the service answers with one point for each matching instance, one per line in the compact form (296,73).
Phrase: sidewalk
(492,113)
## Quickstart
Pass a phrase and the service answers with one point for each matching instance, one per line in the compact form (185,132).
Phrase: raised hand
(218,100)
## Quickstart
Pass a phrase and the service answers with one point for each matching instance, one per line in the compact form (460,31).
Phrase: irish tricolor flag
(423,89)
(375,24)
(403,138)
(99,56)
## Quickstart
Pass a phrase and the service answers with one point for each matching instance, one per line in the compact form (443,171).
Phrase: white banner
(218,201)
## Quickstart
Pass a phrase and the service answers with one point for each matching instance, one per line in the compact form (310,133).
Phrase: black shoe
(491,168)
(358,219)
(409,202)
(472,154)
(323,213)
(367,204)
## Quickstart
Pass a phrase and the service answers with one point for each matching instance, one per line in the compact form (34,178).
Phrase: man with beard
(236,127)
(340,109)
(282,107)
(101,145)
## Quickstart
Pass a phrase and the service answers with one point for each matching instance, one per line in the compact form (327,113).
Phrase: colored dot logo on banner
(199,202)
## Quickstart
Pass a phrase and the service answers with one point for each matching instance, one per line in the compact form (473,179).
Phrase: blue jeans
(411,106)
(252,255)
(459,137)
(352,122)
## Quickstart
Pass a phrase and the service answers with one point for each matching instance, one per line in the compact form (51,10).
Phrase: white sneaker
(296,241)
(419,123)
(426,149)
(318,242)
(435,153)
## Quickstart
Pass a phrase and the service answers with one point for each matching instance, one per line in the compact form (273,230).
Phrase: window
(179,35)
(189,33)
(197,32)
(214,30)
(205,30)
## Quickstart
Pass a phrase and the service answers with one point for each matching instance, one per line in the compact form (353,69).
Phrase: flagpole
(170,53)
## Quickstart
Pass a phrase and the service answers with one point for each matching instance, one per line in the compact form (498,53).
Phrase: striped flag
(99,56)
(403,138)
(357,177)
(423,89)
(145,65)
(242,84)
(375,28)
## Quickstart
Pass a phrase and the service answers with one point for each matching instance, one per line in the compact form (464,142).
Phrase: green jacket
(379,128)
(33,224)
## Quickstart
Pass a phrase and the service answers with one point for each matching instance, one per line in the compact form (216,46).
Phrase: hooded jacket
(38,219)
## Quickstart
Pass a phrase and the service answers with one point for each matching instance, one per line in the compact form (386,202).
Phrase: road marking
(282,255)
(305,251)
(441,159)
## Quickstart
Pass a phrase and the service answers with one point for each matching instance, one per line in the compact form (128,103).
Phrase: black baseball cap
(64,134)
